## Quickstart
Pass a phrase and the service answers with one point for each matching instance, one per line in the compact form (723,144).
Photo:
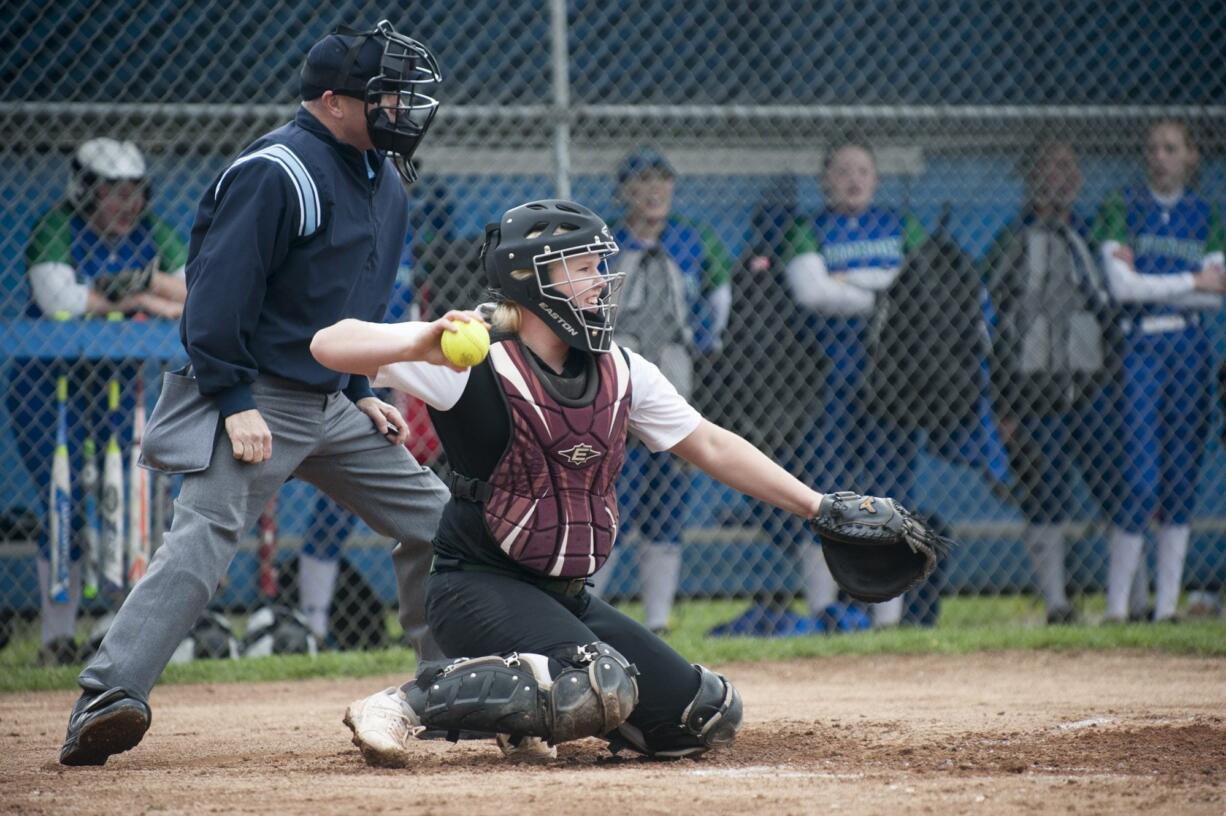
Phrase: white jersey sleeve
(56,289)
(658,414)
(1129,286)
(812,287)
(438,386)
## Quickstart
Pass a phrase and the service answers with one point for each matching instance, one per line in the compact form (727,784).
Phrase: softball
(468,346)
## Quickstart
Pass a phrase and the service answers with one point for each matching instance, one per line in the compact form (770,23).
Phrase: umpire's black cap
(333,64)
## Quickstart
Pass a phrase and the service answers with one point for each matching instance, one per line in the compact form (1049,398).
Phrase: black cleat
(102,724)
(1141,616)
(1062,616)
(61,651)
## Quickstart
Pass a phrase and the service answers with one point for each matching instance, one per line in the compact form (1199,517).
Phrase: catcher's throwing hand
(875,548)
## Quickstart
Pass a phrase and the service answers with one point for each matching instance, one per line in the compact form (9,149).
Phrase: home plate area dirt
(1017,732)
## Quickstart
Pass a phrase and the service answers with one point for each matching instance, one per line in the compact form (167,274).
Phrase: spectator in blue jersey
(100,251)
(1162,247)
(674,308)
(836,264)
(1049,357)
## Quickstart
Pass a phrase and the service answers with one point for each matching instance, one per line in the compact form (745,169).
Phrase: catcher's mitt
(875,548)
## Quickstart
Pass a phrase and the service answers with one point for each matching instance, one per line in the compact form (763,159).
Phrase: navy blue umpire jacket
(297,233)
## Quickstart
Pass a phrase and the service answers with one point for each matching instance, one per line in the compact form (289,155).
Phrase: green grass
(967,625)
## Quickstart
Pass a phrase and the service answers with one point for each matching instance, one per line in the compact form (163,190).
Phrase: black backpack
(926,341)
(768,377)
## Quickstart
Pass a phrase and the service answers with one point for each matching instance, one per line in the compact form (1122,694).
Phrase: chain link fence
(964,255)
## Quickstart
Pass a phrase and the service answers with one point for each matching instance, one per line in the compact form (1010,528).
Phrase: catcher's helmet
(387,71)
(102,161)
(516,257)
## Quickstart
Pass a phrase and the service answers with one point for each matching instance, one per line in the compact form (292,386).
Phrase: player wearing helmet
(536,434)
(100,250)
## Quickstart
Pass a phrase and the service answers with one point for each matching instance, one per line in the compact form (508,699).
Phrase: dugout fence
(744,104)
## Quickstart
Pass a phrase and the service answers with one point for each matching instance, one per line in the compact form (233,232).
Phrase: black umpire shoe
(104,723)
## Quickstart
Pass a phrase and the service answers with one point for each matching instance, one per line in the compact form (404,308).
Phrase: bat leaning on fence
(89,490)
(268,549)
(112,541)
(138,495)
(59,505)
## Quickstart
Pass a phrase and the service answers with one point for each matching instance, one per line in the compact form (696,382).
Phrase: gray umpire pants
(323,439)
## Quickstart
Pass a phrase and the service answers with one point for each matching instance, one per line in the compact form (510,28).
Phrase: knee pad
(591,695)
(711,720)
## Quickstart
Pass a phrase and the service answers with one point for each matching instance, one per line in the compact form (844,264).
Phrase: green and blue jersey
(1164,240)
(63,236)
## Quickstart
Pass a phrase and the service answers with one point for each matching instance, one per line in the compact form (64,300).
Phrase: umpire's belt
(570,587)
(469,489)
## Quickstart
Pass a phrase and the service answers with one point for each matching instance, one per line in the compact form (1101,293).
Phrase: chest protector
(552,503)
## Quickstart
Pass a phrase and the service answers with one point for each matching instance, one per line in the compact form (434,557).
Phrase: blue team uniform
(63,236)
(850,448)
(654,487)
(1165,389)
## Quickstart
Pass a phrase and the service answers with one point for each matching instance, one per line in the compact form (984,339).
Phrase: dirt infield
(999,733)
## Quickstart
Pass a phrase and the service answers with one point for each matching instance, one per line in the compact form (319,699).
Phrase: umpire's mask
(388,71)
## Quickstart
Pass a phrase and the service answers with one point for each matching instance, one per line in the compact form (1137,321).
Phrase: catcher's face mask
(579,280)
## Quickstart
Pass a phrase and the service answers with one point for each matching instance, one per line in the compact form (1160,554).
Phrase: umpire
(304,229)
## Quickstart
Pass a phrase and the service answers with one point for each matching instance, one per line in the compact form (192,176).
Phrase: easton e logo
(580,454)
(867,505)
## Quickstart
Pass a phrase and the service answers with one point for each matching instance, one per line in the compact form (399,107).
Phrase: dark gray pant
(476,613)
(321,439)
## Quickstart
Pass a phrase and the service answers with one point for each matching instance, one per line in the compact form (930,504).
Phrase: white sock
(316,581)
(600,581)
(1138,597)
(58,620)
(888,613)
(1045,543)
(820,588)
(659,574)
(1172,549)
(1125,555)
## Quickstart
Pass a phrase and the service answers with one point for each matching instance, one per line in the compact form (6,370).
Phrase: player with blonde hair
(537,434)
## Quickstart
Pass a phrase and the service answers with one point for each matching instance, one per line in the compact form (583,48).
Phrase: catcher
(536,433)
